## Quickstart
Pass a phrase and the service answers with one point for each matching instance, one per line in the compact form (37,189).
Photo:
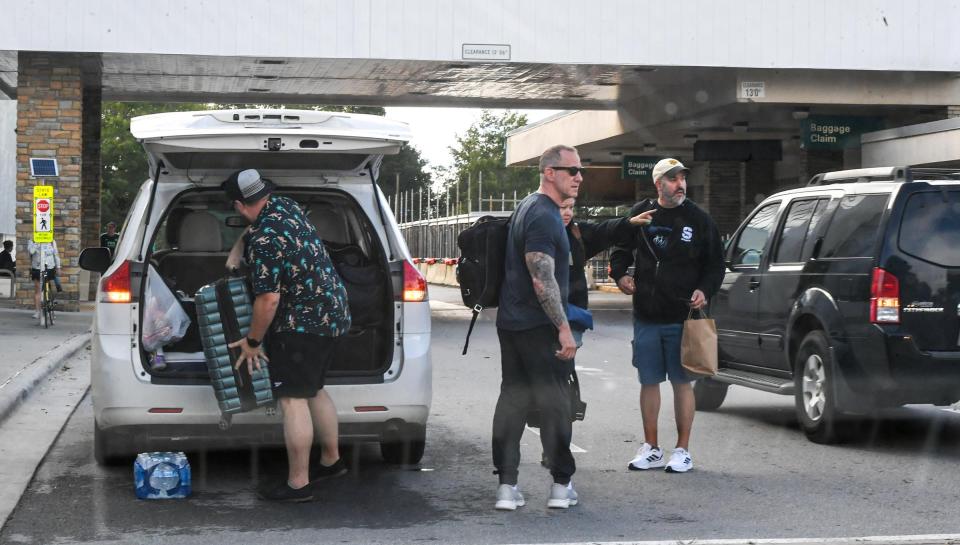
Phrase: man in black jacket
(678,262)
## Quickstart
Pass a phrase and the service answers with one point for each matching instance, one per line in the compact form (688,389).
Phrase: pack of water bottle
(161,475)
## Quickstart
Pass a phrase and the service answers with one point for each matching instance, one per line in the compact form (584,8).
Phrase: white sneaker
(509,498)
(562,496)
(647,457)
(36,315)
(680,461)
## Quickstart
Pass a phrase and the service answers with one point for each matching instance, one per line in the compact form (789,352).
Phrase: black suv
(845,294)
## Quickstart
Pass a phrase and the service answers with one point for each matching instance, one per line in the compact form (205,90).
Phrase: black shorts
(299,363)
(35,274)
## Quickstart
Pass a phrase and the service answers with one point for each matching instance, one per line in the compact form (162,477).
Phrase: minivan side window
(748,249)
(794,244)
(853,230)
(930,229)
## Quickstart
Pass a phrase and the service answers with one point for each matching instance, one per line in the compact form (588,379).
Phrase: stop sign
(43,205)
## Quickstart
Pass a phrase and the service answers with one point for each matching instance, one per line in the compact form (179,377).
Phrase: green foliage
(483,149)
(124,163)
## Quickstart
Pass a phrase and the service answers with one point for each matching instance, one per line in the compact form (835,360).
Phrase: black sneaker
(284,493)
(322,472)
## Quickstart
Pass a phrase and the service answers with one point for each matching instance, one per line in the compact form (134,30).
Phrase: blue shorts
(656,352)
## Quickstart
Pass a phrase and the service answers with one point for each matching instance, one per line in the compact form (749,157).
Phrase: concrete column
(90,178)
(813,162)
(50,100)
(723,187)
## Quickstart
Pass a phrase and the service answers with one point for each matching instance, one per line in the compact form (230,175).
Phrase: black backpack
(483,248)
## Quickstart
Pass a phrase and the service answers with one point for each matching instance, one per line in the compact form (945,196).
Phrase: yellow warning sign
(43,213)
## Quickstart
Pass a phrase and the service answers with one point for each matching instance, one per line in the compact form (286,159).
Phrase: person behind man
(536,344)
(299,296)
(678,262)
(6,258)
(109,239)
(43,255)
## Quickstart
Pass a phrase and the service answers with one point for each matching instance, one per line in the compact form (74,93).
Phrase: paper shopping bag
(698,346)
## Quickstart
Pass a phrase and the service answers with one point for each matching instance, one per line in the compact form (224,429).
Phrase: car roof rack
(884,174)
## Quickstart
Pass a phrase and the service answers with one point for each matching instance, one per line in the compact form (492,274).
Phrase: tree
(124,163)
(482,149)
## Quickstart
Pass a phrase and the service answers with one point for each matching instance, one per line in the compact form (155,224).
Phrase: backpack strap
(473,320)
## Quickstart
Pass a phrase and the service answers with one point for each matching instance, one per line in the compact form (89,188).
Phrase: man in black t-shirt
(679,265)
(109,239)
(536,343)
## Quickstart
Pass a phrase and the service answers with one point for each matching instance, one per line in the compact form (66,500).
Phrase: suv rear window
(853,231)
(930,229)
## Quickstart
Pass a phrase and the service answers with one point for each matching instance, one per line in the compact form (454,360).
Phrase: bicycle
(47,300)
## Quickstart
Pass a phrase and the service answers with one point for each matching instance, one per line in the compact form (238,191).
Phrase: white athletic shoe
(562,496)
(680,461)
(36,315)
(647,457)
(509,498)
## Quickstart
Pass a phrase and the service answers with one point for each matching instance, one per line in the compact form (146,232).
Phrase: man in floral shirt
(300,297)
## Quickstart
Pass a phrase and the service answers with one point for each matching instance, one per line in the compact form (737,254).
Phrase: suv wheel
(815,395)
(709,394)
(404,448)
(108,448)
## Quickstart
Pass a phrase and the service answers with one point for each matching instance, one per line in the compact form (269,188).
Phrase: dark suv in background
(846,295)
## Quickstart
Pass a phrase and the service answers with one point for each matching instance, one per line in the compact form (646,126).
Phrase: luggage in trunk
(224,312)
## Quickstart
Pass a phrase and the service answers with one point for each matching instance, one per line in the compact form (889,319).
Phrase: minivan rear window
(265,160)
(930,229)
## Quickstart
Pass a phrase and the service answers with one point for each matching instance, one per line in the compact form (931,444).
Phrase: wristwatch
(253,342)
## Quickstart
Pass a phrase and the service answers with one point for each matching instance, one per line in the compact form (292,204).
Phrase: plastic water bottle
(159,360)
(161,475)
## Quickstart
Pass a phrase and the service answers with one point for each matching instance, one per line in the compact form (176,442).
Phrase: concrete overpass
(665,74)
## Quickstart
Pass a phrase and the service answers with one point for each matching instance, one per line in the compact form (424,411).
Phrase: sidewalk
(29,352)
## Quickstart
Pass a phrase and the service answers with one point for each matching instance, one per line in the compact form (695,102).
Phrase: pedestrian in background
(43,257)
(109,239)
(679,265)
(7,262)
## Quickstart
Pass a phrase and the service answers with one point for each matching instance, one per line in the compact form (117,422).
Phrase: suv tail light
(884,298)
(414,284)
(116,287)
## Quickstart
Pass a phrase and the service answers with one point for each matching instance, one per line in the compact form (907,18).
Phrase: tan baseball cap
(667,167)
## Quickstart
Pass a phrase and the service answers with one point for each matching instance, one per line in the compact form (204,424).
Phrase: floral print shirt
(286,256)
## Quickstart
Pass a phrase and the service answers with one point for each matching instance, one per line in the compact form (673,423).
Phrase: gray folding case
(224,313)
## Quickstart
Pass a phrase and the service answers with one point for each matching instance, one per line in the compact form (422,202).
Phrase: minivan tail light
(414,284)
(116,287)
(884,298)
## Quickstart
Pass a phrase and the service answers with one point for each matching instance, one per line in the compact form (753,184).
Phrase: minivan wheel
(814,391)
(709,394)
(404,448)
(108,448)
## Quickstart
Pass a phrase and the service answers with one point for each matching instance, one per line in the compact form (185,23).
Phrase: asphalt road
(755,474)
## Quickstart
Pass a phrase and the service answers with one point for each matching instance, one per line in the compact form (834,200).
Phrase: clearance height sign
(43,213)
(836,132)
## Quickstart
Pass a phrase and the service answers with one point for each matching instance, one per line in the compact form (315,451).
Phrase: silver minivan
(181,225)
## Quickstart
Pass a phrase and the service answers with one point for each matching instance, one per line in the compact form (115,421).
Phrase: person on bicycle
(43,255)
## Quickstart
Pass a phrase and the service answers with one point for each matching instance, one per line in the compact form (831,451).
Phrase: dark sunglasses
(573,171)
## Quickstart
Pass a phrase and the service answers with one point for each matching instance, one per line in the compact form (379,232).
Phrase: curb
(17,389)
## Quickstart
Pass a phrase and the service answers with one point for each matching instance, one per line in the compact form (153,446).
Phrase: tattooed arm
(541,267)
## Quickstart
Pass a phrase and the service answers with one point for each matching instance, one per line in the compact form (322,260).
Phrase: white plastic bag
(164,321)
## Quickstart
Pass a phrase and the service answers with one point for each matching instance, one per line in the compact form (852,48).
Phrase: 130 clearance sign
(43,213)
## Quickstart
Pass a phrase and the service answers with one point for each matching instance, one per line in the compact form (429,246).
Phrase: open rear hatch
(309,154)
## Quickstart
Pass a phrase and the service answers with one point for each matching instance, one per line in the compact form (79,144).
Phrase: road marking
(573,448)
(931,539)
